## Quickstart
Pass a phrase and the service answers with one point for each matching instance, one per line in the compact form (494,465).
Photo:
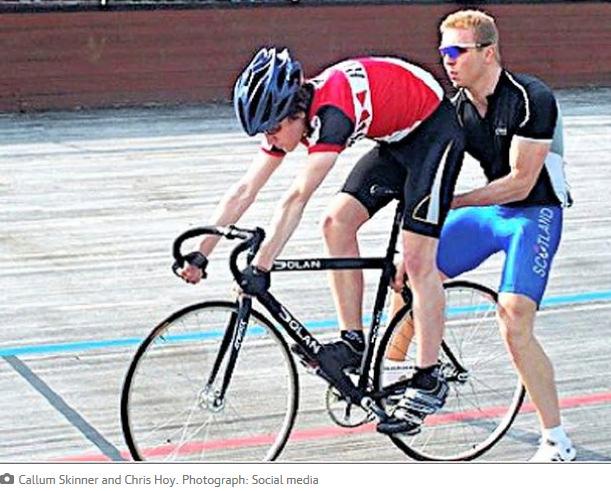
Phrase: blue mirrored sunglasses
(455,50)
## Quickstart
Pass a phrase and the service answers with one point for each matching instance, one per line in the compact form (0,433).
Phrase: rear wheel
(169,413)
(485,391)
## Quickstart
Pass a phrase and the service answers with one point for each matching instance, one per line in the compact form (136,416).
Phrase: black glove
(254,281)
(198,260)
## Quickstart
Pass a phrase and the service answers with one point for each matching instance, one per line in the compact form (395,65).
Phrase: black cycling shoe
(416,403)
(345,353)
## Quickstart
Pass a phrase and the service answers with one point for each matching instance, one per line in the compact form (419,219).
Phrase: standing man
(419,150)
(513,128)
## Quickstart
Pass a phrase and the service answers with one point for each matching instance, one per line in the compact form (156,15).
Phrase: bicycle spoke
(208,429)
(168,423)
(463,428)
(183,437)
(167,411)
(484,361)
(482,400)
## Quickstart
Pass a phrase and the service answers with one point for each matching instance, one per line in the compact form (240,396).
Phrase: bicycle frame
(372,390)
(299,333)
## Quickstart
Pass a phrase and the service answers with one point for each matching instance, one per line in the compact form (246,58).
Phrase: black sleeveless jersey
(521,106)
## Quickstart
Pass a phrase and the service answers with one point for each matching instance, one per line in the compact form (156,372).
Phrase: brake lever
(257,238)
(176,267)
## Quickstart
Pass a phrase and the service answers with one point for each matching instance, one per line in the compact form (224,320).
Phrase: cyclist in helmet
(419,151)
(263,94)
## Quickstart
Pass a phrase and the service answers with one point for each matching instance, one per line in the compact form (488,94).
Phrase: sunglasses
(455,50)
(273,130)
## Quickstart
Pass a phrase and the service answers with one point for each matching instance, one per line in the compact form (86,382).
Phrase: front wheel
(170,412)
(485,391)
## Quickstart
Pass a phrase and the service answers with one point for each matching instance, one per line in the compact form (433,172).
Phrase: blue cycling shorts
(529,236)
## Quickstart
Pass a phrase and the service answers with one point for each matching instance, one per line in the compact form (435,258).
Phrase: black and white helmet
(263,93)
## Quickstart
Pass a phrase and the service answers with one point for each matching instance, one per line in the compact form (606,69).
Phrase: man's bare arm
(526,158)
(288,214)
(241,195)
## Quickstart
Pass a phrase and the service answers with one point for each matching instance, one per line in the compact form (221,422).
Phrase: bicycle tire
(164,414)
(479,409)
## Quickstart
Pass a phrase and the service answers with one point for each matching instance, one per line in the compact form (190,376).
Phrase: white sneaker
(550,451)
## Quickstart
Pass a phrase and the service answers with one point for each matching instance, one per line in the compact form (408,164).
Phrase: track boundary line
(323,325)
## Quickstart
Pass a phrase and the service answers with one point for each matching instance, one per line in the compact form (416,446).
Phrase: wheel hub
(210,399)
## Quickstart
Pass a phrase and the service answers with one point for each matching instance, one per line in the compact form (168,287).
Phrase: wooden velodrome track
(89,205)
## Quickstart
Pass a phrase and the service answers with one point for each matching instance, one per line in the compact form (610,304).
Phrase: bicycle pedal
(398,428)
(406,425)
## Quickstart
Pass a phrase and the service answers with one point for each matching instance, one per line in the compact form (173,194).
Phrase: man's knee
(517,314)
(335,227)
(419,255)
(418,265)
(343,219)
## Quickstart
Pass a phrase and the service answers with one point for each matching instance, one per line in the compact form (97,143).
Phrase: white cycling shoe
(550,451)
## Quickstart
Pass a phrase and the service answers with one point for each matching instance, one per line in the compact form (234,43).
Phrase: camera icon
(7,478)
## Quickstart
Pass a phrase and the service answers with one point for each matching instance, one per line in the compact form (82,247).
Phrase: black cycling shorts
(425,165)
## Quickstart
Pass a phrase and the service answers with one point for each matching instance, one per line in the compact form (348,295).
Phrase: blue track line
(316,326)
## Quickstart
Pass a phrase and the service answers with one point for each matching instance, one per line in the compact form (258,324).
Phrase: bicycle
(229,371)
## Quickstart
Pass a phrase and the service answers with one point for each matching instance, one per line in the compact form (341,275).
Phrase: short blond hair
(481,23)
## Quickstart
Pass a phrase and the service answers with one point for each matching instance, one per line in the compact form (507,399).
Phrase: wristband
(197,259)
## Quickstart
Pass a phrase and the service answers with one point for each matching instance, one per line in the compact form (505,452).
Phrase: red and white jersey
(379,98)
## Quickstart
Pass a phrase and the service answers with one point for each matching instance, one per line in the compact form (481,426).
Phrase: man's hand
(400,276)
(254,281)
(195,269)
(457,202)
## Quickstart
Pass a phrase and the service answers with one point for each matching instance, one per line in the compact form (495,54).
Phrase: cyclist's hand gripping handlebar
(251,241)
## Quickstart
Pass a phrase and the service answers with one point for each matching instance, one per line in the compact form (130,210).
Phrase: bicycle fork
(214,399)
